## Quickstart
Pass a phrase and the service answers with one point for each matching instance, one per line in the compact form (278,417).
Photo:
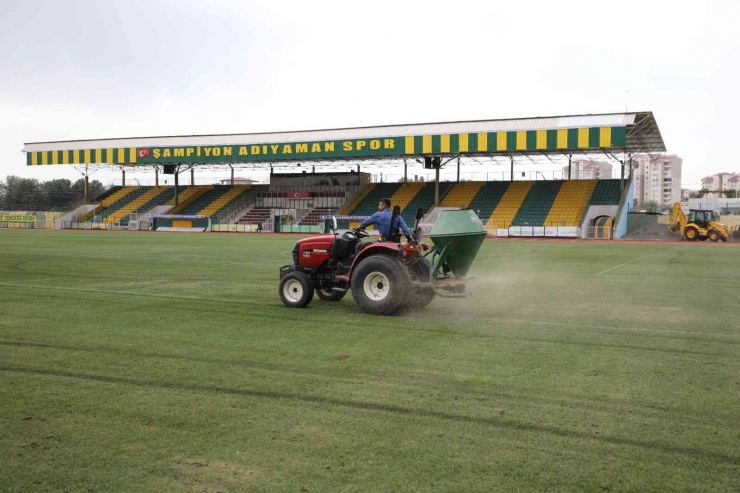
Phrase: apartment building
(721,182)
(658,178)
(588,170)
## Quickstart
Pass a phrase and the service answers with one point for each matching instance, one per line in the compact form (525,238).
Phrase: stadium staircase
(509,205)
(462,194)
(606,192)
(537,204)
(488,198)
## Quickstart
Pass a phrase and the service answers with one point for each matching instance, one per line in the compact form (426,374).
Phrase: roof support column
(156,176)
(87,186)
(232,175)
(621,180)
(123,177)
(436,184)
(512,167)
(570,169)
(458,170)
(177,194)
(192,176)
(405,172)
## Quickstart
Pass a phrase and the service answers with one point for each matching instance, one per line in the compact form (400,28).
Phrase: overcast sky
(94,69)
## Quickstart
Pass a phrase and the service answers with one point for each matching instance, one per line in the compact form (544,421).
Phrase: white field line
(625,263)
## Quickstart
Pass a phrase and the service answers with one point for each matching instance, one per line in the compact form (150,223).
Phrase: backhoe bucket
(457,236)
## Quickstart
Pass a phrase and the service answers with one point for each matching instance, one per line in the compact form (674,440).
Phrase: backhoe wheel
(714,235)
(380,285)
(691,234)
(296,290)
(329,295)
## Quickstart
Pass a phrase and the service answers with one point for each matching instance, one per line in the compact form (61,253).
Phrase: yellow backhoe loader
(699,225)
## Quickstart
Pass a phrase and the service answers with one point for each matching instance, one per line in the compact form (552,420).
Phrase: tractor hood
(462,234)
(319,239)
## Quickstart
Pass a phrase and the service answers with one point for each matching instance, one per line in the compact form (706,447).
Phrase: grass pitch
(164,362)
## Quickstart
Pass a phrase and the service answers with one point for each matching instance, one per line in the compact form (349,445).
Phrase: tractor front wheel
(691,234)
(380,285)
(330,295)
(714,235)
(296,290)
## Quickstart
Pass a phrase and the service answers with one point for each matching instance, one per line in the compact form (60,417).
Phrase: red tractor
(385,277)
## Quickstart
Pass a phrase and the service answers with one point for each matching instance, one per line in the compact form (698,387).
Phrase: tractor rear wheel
(691,234)
(329,295)
(421,296)
(380,285)
(296,290)
(714,235)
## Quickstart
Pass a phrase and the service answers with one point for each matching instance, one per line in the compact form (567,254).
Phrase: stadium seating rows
(256,215)
(370,204)
(509,205)
(213,201)
(537,204)
(606,192)
(314,217)
(499,204)
(488,198)
(569,205)
(462,194)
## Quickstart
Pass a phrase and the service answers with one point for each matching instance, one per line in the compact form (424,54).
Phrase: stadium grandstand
(299,201)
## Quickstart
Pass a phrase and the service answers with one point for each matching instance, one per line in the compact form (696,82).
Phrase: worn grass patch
(161,362)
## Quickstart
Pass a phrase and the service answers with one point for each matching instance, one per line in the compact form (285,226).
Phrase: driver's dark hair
(387,202)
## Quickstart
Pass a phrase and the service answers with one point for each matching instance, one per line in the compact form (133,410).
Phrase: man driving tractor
(388,222)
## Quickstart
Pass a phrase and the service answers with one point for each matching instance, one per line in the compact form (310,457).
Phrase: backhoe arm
(678,218)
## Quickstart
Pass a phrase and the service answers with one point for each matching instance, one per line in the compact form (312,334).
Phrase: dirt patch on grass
(135,447)
(201,474)
(33,417)
(36,446)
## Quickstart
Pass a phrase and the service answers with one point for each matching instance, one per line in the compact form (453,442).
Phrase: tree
(701,193)
(21,193)
(29,194)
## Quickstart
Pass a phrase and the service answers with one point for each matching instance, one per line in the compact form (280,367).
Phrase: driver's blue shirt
(383,220)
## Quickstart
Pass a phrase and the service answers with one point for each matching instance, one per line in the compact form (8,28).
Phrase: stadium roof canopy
(613,133)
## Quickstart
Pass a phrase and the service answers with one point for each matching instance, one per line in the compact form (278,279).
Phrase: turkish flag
(142,152)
